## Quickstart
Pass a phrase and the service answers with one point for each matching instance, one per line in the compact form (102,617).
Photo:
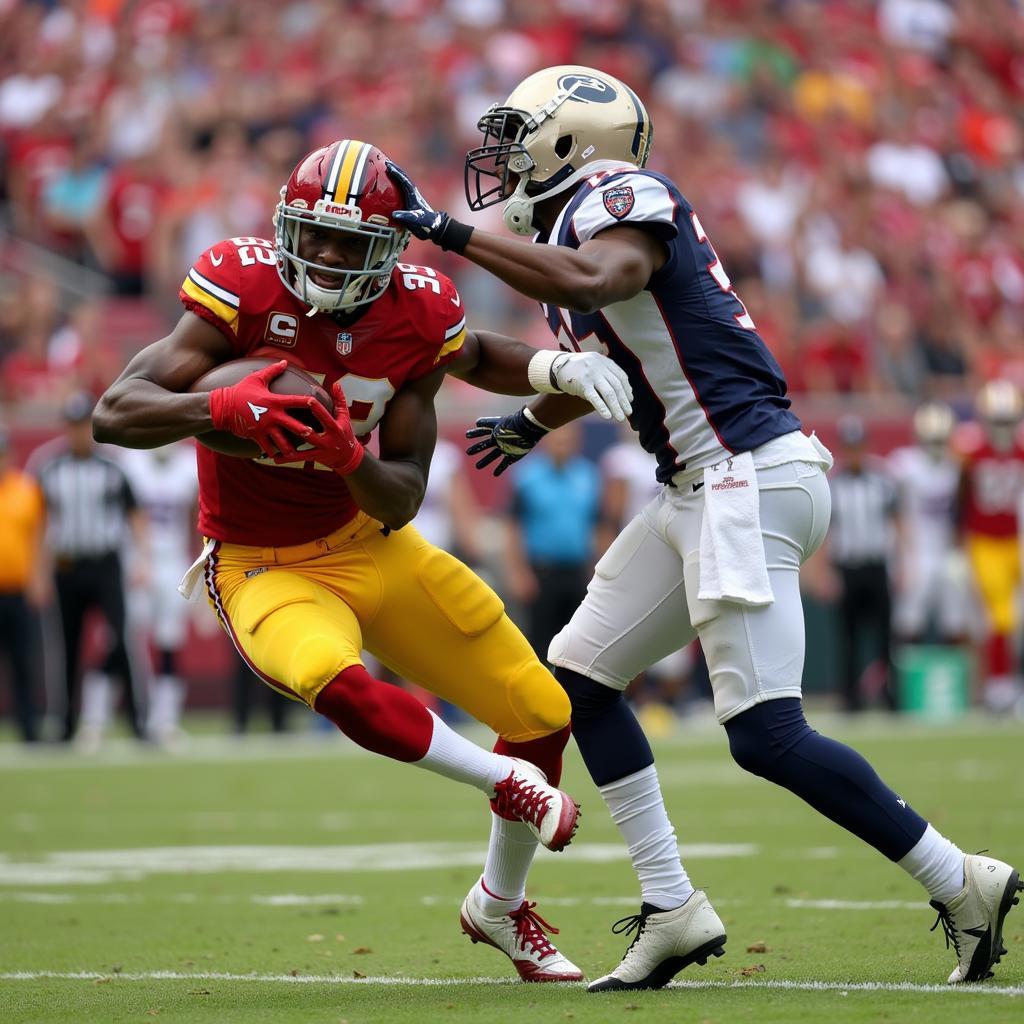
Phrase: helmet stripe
(357,175)
(636,147)
(346,184)
(330,183)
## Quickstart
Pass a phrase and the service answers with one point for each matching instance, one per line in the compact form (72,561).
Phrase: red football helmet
(341,187)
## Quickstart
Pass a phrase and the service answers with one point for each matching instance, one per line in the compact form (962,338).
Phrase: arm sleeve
(637,199)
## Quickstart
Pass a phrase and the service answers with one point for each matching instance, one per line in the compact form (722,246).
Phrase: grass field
(306,882)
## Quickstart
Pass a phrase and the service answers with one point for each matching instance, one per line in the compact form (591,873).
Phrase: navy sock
(773,740)
(609,737)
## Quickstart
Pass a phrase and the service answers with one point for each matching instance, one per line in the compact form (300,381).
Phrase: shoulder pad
(631,197)
(439,310)
(212,287)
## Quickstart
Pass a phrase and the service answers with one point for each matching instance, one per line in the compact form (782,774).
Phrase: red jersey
(416,325)
(994,484)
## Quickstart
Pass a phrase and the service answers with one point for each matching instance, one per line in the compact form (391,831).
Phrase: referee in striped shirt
(90,507)
(860,539)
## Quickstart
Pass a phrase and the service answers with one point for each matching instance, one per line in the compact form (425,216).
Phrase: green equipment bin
(934,681)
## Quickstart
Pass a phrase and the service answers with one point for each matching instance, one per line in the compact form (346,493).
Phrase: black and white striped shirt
(88,501)
(863,509)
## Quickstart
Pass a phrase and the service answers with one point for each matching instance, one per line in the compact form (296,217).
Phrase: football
(292,381)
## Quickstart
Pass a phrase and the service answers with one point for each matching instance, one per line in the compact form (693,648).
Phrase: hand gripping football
(293,381)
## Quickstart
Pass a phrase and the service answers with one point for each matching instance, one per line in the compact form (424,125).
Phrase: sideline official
(90,509)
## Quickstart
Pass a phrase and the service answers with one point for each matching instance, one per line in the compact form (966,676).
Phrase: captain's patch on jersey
(618,201)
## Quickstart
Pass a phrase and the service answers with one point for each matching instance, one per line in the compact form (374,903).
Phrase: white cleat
(666,941)
(520,935)
(552,816)
(973,920)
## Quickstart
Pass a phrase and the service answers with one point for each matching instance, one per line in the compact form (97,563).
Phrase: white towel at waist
(732,559)
(189,587)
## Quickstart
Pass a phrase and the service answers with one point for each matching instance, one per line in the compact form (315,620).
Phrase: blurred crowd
(859,163)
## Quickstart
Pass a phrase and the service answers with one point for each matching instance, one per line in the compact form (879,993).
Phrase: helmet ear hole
(563,147)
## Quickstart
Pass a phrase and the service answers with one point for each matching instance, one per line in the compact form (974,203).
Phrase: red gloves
(251,410)
(335,445)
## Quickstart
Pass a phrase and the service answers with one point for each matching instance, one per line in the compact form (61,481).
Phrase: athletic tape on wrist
(454,236)
(540,372)
(528,414)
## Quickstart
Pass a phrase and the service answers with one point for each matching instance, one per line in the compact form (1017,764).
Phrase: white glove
(588,375)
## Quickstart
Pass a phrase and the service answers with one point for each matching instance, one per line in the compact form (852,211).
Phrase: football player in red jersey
(989,497)
(310,557)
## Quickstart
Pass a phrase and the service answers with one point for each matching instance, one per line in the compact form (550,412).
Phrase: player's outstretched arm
(149,404)
(614,265)
(506,366)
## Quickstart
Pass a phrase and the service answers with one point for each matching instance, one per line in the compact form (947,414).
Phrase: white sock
(509,856)
(96,701)
(454,757)
(937,864)
(638,808)
(165,706)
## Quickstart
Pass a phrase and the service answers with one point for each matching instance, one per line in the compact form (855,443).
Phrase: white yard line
(856,904)
(97,867)
(293,899)
(332,979)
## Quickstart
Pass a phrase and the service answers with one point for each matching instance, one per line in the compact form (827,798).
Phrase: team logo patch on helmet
(589,89)
(344,343)
(618,201)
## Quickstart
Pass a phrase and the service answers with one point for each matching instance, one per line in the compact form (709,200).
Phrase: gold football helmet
(933,427)
(1000,407)
(933,423)
(558,126)
(999,401)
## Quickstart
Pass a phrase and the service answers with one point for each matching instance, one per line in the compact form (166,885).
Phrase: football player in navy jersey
(622,265)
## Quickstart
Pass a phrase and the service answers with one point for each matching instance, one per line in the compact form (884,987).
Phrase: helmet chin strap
(518,210)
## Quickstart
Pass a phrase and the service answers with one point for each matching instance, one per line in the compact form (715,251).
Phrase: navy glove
(422,219)
(507,438)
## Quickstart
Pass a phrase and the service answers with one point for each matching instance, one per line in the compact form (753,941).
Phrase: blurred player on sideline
(621,264)
(931,575)
(166,486)
(310,555)
(449,516)
(989,494)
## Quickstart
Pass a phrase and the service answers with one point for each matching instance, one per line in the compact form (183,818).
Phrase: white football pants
(157,607)
(642,603)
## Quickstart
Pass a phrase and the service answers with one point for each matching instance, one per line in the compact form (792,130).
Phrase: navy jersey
(704,383)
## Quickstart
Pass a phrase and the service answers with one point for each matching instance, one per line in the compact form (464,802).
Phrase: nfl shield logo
(618,201)
(344,343)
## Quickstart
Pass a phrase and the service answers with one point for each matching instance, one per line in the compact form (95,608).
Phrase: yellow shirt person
(21,529)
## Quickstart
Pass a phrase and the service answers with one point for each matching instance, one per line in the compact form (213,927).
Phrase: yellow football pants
(995,563)
(301,614)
